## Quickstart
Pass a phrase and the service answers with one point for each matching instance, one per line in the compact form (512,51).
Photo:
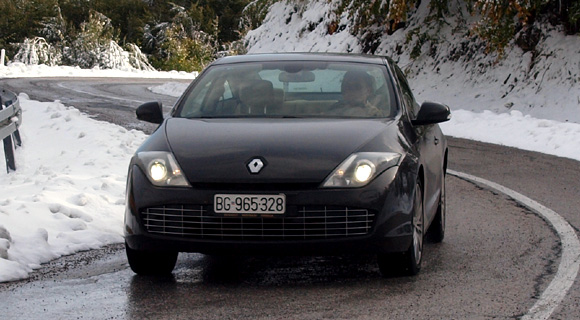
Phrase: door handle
(436,141)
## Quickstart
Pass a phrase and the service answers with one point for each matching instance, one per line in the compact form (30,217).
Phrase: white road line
(570,261)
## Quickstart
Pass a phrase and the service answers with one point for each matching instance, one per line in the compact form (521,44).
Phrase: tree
(20,18)
(179,44)
(254,14)
(502,20)
(94,45)
(127,16)
(38,51)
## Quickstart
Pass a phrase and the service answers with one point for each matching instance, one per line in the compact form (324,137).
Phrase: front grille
(309,222)
(256,186)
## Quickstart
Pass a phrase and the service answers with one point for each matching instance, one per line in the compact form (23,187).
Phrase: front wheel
(150,262)
(407,263)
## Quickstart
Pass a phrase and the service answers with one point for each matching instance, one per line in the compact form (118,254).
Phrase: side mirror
(150,112)
(431,113)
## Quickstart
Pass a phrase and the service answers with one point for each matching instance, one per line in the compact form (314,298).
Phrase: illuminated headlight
(361,168)
(363,171)
(161,169)
(157,171)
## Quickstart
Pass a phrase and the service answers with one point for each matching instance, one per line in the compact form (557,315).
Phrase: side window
(227,91)
(408,98)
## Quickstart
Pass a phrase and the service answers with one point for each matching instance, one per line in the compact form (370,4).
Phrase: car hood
(293,150)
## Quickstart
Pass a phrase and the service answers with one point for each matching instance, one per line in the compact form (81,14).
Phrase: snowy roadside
(67,194)
(21,70)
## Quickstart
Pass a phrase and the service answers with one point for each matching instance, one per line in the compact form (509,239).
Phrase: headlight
(363,171)
(161,169)
(157,171)
(361,168)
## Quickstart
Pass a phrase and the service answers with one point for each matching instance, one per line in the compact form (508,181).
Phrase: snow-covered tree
(38,51)
(94,45)
(138,59)
(253,14)
(54,28)
(179,44)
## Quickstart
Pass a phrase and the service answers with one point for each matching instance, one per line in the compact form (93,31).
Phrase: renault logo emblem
(256,165)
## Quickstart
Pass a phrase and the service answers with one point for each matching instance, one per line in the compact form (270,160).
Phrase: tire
(149,262)
(436,232)
(408,263)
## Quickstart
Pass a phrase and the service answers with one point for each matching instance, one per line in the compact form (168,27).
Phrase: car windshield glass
(291,89)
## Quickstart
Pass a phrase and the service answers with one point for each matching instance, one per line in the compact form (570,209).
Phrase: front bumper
(375,218)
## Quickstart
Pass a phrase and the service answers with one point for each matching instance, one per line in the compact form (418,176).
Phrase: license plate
(250,203)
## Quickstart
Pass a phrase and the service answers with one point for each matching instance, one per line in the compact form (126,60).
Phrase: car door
(429,143)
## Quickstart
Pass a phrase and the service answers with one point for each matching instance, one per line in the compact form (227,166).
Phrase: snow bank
(547,87)
(173,89)
(301,27)
(515,129)
(67,194)
(21,70)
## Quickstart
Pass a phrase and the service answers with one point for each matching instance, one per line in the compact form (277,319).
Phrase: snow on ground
(174,89)
(68,191)
(67,194)
(20,70)
(517,130)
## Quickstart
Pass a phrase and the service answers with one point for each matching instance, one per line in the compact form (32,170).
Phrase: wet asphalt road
(495,261)
(496,258)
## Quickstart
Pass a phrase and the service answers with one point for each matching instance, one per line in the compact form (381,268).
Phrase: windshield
(291,89)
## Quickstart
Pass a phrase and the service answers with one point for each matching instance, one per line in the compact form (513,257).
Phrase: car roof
(307,56)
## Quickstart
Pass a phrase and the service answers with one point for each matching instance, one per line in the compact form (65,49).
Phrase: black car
(290,154)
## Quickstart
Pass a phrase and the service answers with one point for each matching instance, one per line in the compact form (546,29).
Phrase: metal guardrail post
(9,154)
(10,120)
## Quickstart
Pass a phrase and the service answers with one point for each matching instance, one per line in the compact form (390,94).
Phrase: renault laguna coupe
(293,154)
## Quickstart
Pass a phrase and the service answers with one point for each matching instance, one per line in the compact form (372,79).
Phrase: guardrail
(10,120)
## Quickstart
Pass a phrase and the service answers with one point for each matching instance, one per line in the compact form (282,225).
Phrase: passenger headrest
(256,93)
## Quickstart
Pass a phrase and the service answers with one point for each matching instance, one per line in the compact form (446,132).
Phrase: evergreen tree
(21,19)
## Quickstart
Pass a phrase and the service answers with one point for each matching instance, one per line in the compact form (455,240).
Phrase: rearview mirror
(301,76)
(150,112)
(431,113)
